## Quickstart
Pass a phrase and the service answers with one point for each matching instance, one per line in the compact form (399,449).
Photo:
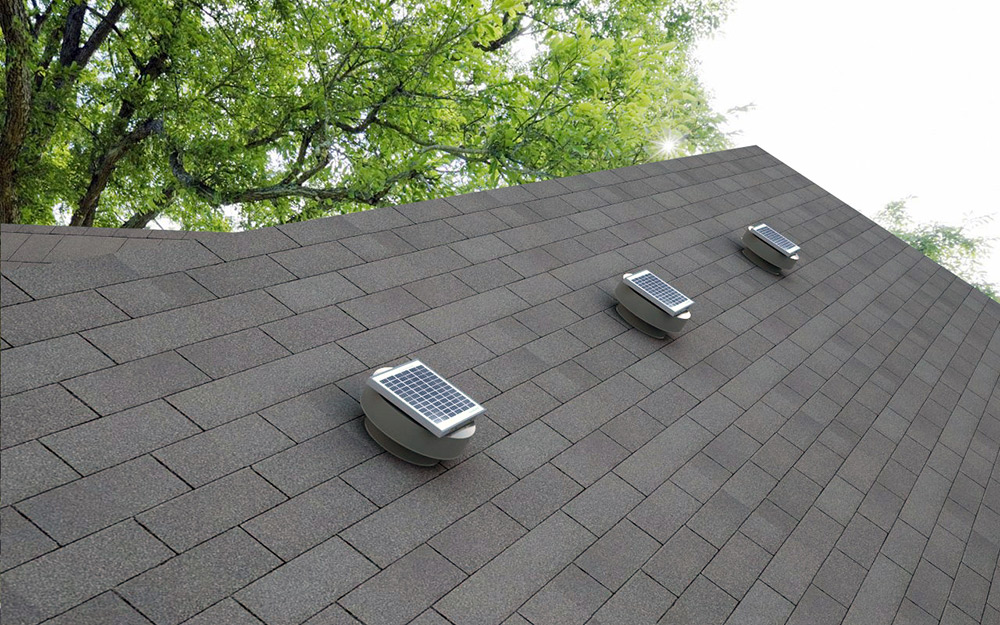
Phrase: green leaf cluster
(282,110)
(954,247)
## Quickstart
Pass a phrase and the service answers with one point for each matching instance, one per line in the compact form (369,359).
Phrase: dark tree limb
(85,212)
(217,197)
(100,34)
(17,34)
(71,34)
(142,218)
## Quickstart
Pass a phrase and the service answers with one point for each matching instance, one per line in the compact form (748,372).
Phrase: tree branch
(71,34)
(103,30)
(84,214)
(216,197)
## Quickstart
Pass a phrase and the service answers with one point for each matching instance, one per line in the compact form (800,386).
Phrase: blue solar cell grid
(428,393)
(776,240)
(661,292)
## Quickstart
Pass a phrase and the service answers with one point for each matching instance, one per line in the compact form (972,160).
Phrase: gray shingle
(315,292)
(761,606)
(466,314)
(377,245)
(700,477)
(496,590)
(400,270)
(595,407)
(569,598)
(29,469)
(528,448)
(242,393)
(38,364)
(617,555)
(477,537)
(925,501)
(668,451)
(737,565)
(840,577)
(233,353)
(880,594)
(309,518)
(312,413)
(489,275)
(232,245)
(32,414)
(102,499)
(795,493)
(671,402)
(482,248)
(57,581)
(45,280)
(222,450)
(703,602)
(439,290)
(209,510)
(680,560)
(632,429)
(107,441)
(802,555)
(412,519)
(641,601)
(57,316)
(602,504)
(194,580)
(590,458)
(225,612)
(404,589)
(816,607)
(566,381)
(861,540)
(104,608)
(316,460)
(533,498)
(383,307)
(10,294)
(312,329)
(316,259)
(929,589)
(302,587)
(22,541)
(731,448)
(137,382)
(182,326)
(241,276)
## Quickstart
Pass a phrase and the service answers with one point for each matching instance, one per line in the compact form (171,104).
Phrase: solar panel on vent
(651,286)
(775,239)
(427,397)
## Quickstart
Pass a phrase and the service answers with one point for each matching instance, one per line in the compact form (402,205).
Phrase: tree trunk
(17,33)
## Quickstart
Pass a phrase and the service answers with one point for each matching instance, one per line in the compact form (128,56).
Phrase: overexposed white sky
(871,100)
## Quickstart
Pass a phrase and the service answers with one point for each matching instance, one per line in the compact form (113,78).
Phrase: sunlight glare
(667,144)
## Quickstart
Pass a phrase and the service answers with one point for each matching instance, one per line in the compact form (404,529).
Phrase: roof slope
(181,437)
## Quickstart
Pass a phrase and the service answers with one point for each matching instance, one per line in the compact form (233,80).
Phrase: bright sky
(873,101)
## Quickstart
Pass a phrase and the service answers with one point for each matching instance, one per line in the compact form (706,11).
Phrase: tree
(117,111)
(950,246)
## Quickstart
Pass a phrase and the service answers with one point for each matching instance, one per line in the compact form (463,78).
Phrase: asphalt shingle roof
(182,442)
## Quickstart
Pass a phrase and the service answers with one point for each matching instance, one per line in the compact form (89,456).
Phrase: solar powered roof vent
(417,415)
(651,305)
(769,249)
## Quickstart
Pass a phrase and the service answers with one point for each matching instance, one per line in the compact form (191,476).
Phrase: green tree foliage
(292,109)
(953,247)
